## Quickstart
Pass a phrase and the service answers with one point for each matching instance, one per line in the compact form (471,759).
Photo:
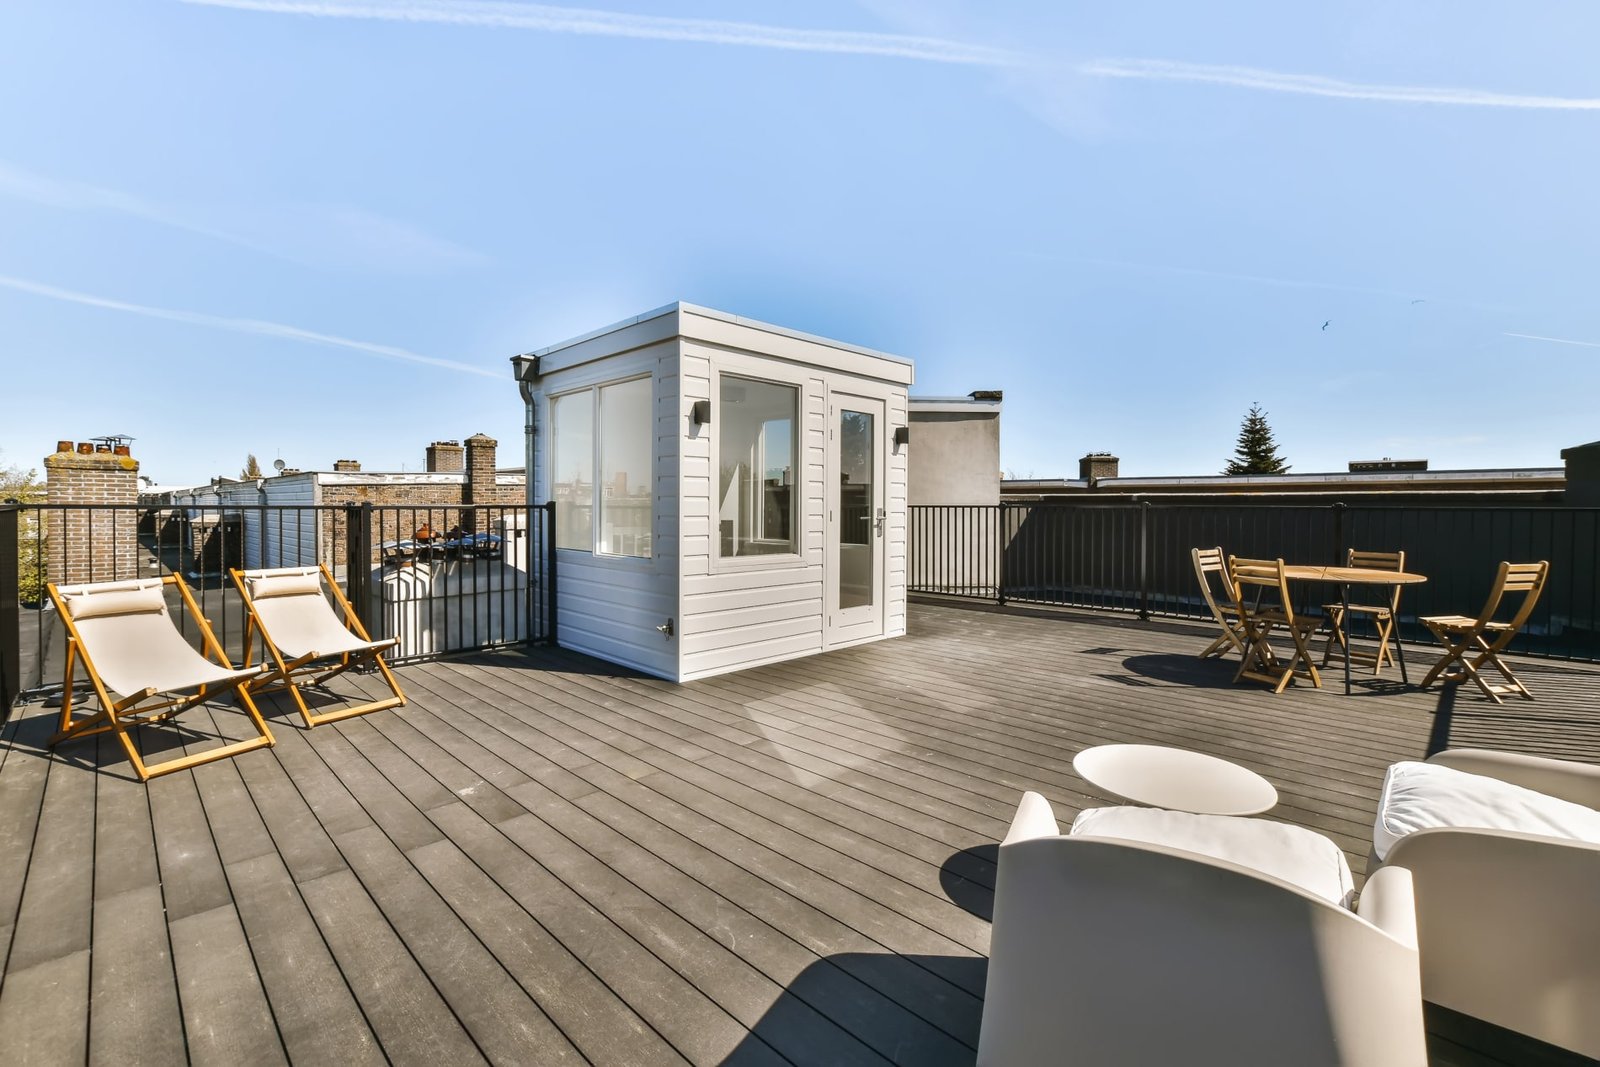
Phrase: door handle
(878,522)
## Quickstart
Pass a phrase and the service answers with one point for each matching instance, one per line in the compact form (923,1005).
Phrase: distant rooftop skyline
(315,229)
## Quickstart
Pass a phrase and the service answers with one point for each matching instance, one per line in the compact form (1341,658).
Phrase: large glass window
(572,469)
(626,492)
(756,446)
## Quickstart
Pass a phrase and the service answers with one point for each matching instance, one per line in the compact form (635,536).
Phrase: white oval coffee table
(1176,779)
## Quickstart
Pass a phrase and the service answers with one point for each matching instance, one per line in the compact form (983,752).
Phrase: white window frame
(797,464)
(597,434)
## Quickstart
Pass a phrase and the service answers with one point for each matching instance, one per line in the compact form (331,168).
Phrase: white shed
(728,493)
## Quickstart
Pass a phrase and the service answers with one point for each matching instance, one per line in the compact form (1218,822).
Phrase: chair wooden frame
(1261,662)
(1209,561)
(1461,635)
(116,716)
(289,669)
(1383,615)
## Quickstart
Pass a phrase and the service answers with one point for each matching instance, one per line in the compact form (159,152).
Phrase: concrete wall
(1583,475)
(954,457)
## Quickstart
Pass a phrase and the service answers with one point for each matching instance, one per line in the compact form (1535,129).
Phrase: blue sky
(317,229)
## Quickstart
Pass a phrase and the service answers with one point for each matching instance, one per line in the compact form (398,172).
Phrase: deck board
(545,858)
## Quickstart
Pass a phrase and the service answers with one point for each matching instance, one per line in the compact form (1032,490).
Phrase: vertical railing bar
(10,607)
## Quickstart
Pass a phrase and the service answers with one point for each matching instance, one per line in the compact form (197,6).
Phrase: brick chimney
(1097,465)
(480,469)
(446,456)
(347,466)
(92,544)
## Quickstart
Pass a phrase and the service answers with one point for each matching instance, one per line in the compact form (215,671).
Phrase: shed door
(856,518)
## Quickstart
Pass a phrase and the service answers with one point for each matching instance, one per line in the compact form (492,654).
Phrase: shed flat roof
(679,307)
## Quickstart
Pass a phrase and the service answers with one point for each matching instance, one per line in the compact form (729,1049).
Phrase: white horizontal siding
(738,616)
(896,499)
(610,607)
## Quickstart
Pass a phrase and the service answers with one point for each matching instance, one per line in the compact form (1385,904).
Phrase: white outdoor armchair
(1109,951)
(1505,852)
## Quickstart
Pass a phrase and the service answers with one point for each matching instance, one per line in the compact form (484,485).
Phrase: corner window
(609,429)
(626,493)
(572,469)
(755,424)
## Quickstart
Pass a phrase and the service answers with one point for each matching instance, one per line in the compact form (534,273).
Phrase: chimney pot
(85,448)
(1097,465)
(445,456)
(63,446)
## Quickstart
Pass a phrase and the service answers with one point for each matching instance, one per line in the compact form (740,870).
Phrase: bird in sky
(1420,300)
(1325,325)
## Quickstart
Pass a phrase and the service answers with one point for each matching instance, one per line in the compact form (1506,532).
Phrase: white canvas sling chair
(129,645)
(306,639)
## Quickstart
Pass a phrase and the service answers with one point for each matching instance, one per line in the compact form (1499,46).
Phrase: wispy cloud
(257,327)
(621,24)
(71,195)
(311,234)
(574,20)
(1553,340)
(1314,85)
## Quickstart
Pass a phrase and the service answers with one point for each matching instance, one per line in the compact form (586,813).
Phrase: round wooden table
(1176,779)
(1345,577)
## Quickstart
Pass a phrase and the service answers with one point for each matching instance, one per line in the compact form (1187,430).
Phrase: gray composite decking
(545,859)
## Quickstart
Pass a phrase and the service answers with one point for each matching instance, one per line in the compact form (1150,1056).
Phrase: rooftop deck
(546,859)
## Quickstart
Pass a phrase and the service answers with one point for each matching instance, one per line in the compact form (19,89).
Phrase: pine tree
(1256,452)
(252,469)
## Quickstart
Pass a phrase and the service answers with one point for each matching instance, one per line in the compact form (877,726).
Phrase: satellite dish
(278,464)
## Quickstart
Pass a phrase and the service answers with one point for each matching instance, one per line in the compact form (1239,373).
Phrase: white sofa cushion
(1417,796)
(1293,854)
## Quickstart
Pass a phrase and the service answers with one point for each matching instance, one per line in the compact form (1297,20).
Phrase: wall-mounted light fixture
(700,413)
(902,436)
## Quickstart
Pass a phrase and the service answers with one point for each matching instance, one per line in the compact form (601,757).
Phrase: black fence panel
(1136,557)
(440,578)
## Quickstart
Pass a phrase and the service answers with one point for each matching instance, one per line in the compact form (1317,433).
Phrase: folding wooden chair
(1483,636)
(1383,615)
(1261,577)
(1209,562)
(128,644)
(307,639)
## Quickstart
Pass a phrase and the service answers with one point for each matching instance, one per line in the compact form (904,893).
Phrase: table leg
(1399,647)
(1344,621)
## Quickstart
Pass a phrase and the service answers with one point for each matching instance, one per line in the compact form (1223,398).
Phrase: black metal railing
(440,578)
(1136,557)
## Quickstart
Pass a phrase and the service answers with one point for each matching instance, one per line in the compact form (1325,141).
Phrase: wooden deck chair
(307,640)
(128,644)
(1209,562)
(1383,615)
(1271,610)
(1483,637)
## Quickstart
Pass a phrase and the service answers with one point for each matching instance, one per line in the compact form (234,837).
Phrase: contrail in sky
(619,24)
(1313,85)
(251,326)
(1554,340)
(576,20)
